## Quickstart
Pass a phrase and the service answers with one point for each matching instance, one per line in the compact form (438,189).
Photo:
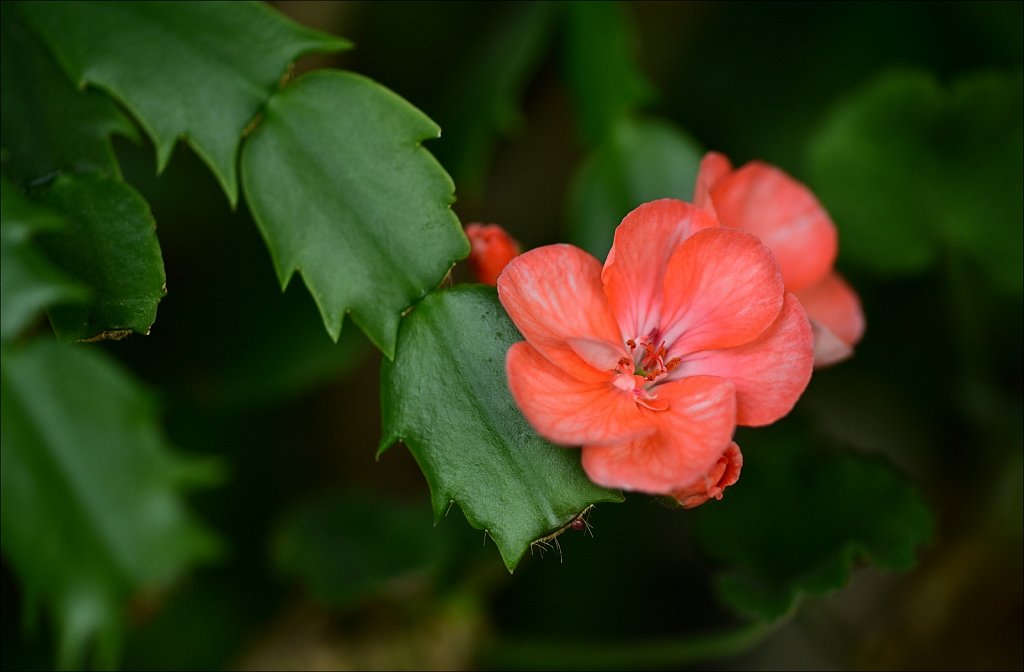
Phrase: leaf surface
(92,511)
(46,124)
(29,282)
(201,70)
(446,397)
(599,62)
(109,247)
(343,192)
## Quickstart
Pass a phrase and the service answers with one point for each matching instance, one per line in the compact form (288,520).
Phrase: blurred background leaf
(600,69)
(912,170)
(805,518)
(346,547)
(87,475)
(47,125)
(30,282)
(639,161)
(484,95)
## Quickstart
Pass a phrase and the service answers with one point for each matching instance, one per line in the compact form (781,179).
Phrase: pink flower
(650,362)
(787,217)
(491,249)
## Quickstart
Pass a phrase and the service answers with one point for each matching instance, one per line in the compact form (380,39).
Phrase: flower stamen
(650,361)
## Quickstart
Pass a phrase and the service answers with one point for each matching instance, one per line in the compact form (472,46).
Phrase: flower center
(640,374)
(649,359)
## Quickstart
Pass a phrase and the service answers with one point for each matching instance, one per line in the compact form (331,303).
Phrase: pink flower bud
(492,249)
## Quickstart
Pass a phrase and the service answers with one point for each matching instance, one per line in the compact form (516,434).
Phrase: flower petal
(553,294)
(644,243)
(829,349)
(725,472)
(770,374)
(567,410)
(722,289)
(785,215)
(691,435)
(601,355)
(834,306)
(714,167)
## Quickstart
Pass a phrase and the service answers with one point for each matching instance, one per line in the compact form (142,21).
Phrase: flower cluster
(697,322)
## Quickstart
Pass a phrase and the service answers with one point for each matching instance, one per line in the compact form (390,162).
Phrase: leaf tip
(386,442)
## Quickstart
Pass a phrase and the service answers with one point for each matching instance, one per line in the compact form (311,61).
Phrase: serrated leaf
(910,169)
(344,193)
(640,161)
(800,519)
(196,69)
(46,125)
(346,547)
(483,99)
(598,59)
(110,247)
(446,397)
(91,503)
(29,283)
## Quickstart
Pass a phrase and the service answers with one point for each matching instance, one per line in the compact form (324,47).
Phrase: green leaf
(909,168)
(29,283)
(800,519)
(598,60)
(46,125)
(484,98)
(640,161)
(110,247)
(987,117)
(343,191)
(91,505)
(196,69)
(445,396)
(346,547)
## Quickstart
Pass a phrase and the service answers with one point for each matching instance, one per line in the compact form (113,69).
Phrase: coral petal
(601,355)
(785,215)
(570,411)
(770,373)
(724,473)
(644,243)
(836,307)
(554,293)
(691,435)
(722,289)
(829,349)
(713,168)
